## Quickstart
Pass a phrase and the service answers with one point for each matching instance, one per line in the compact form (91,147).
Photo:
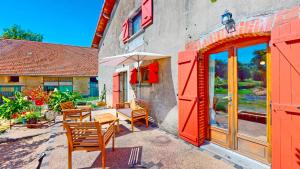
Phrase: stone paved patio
(154,149)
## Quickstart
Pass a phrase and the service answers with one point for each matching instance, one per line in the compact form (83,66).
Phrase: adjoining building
(232,78)
(28,64)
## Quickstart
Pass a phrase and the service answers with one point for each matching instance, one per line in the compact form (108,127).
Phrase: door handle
(229,98)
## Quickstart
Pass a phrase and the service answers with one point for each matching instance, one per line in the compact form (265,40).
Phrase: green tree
(16,32)
(259,73)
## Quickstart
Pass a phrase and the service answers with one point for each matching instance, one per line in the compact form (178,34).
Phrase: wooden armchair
(70,112)
(133,111)
(89,136)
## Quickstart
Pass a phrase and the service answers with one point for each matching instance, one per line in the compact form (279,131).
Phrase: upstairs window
(136,23)
(14,79)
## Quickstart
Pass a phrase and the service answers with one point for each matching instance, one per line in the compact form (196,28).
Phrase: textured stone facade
(179,25)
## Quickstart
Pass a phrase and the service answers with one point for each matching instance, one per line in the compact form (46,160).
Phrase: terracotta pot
(32,123)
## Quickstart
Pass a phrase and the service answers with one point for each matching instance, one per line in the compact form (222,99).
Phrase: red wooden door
(285,52)
(116,89)
(188,97)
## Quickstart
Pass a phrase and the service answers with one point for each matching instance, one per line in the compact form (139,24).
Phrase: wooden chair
(133,111)
(89,136)
(72,113)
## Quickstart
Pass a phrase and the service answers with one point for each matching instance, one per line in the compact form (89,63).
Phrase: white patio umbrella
(130,58)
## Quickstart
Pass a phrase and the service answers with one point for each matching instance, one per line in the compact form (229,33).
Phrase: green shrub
(222,106)
(58,97)
(15,106)
(32,115)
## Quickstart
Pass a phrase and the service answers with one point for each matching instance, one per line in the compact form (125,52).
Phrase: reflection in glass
(252,91)
(218,89)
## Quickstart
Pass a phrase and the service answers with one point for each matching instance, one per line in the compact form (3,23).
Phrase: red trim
(104,17)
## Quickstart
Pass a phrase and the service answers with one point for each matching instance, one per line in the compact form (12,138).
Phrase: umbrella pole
(139,76)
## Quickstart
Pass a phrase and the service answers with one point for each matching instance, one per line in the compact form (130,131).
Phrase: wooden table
(107,118)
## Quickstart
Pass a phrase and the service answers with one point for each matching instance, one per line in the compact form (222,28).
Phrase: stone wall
(175,24)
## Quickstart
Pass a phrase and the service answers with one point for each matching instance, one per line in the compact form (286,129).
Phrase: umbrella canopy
(130,58)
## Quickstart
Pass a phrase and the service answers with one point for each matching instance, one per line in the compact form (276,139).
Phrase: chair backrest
(84,134)
(67,105)
(142,104)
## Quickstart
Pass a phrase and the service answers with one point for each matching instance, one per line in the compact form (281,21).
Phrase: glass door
(252,101)
(239,103)
(123,87)
(219,98)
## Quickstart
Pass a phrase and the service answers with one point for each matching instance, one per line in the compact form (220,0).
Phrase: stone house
(231,78)
(27,64)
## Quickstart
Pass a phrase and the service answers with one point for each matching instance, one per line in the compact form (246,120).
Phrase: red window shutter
(125,31)
(188,122)
(285,49)
(133,76)
(116,89)
(153,73)
(147,14)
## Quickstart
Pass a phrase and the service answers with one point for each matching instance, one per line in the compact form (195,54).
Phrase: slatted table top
(105,118)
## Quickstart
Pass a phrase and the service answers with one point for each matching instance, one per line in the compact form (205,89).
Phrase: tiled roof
(19,57)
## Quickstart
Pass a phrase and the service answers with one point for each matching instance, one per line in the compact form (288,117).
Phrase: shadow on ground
(19,153)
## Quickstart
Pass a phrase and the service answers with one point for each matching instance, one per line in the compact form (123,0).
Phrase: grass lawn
(240,92)
(86,99)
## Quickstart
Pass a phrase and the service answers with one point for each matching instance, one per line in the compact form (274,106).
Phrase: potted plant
(32,119)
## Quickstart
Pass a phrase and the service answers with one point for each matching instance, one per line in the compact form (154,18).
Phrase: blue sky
(70,22)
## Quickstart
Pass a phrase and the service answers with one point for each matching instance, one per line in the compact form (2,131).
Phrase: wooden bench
(89,136)
(133,111)
(70,112)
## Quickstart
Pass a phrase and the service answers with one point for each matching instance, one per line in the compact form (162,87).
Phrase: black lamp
(228,22)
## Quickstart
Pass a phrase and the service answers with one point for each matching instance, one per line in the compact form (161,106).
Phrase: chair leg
(132,124)
(118,126)
(90,115)
(147,122)
(113,142)
(69,159)
(103,157)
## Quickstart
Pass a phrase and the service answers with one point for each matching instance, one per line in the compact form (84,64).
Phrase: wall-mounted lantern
(228,22)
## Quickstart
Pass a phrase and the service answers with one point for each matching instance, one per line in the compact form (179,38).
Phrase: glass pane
(218,89)
(65,88)
(136,23)
(252,90)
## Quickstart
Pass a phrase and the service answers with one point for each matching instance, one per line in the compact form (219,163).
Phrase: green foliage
(213,1)
(16,32)
(222,106)
(58,97)
(32,116)
(12,106)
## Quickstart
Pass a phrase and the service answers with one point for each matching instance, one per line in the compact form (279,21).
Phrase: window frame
(134,14)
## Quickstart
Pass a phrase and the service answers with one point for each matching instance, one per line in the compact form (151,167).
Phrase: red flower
(14,116)
(39,102)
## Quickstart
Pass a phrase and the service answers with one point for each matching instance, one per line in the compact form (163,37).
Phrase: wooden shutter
(116,89)
(147,17)
(125,31)
(285,54)
(188,124)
